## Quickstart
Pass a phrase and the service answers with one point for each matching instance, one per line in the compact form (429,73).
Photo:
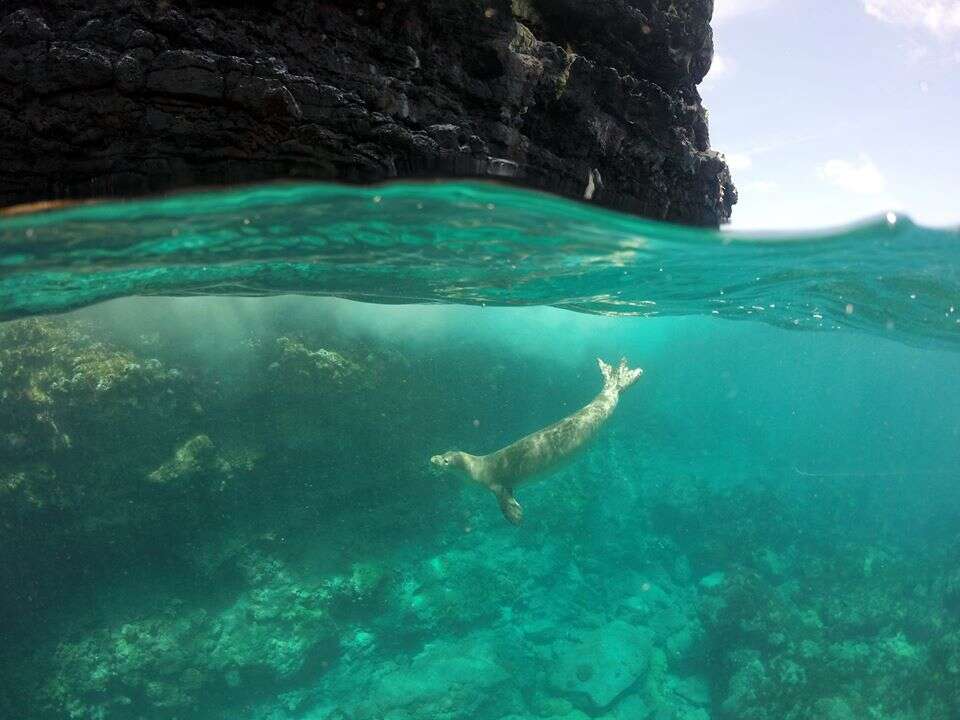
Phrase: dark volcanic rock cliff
(580,98)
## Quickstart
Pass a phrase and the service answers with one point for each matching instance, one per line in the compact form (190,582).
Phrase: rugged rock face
(592,100)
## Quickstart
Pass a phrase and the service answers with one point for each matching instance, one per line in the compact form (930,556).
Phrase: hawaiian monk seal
(544,451)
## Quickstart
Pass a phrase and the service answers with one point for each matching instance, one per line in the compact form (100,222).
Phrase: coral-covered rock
(195,457)
(83,422)
(300,370)
(183,658)
(99,454)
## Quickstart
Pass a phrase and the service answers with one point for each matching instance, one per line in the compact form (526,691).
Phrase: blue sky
(830,111)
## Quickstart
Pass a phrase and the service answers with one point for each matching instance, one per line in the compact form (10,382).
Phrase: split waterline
(480,244)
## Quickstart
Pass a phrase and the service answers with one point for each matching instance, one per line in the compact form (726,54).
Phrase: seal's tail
(620,377)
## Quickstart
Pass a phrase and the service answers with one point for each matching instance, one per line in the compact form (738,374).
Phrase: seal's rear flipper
(508,505)
(620,377)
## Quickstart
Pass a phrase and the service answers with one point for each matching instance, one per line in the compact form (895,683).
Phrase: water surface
(473,243)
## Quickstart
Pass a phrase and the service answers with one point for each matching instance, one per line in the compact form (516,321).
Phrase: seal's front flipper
(621,377)
(508,505)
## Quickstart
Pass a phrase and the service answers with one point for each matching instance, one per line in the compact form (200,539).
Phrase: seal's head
(450,460)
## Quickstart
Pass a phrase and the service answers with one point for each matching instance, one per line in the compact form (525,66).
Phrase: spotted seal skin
(544,451)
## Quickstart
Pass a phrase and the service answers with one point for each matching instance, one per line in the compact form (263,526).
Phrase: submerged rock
(595,667)
(299,370)
(594,100)
(712,581)
(194,457)
(84,422)
(184,659)
(446,680)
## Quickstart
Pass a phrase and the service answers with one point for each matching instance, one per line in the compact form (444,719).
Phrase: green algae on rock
(318,371)
(194,457)
(64,396)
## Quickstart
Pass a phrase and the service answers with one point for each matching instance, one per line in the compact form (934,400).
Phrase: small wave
(479,243)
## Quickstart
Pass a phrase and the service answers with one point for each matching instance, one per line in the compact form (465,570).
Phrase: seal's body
(544,451)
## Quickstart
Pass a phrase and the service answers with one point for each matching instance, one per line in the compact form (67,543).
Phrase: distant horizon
(837,112)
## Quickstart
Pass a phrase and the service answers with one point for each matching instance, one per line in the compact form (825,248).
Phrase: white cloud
(759,186)
(916,52)
(860,176)
(719,66)
(738,161)
(724,10)
(940,17)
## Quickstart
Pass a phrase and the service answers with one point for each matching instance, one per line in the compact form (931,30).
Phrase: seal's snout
(440,462)
(449,460)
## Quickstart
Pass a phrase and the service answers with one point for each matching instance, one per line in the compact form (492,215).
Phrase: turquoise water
(222,508)
(472,243)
